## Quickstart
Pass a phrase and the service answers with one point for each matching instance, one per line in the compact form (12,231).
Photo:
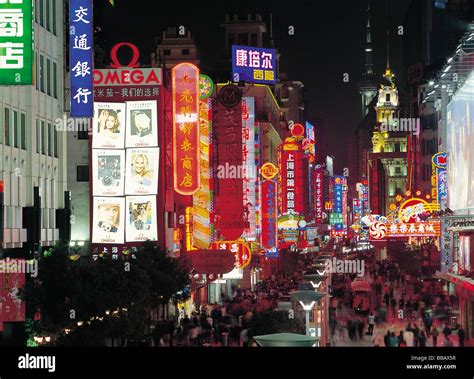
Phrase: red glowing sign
(318,195)
(379,231)
(297,130)
(231,218)
(132,63)
(241,251)
(269,214)
(12,307)
(186,155)
(291,178)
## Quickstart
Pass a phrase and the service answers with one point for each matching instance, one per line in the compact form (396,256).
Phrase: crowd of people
(397,311)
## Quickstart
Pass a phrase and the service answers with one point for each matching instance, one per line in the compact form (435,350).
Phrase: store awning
(361,286)
(457,280)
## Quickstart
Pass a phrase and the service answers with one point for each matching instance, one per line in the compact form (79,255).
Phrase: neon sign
(186,156)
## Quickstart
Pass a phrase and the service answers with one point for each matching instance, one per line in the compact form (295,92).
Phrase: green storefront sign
(335,218)
(16,42)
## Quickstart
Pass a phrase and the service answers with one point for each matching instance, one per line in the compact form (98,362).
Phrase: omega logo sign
(132,63)
(130,75)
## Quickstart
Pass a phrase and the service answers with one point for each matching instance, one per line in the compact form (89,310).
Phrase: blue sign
(338,184)
(81,58)
(272,253)
(253,64)
(442,185)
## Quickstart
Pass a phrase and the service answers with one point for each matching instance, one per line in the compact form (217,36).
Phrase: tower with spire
(388,160)
(367,84)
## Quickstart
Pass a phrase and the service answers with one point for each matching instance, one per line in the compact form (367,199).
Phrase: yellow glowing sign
(268,170)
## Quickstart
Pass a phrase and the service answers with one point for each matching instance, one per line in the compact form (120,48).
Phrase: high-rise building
(432,30)
(33,151)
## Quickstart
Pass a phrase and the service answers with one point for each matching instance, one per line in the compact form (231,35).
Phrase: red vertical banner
(229,212)
(269,214)
(186,156)
(318,195)
(291,178)
(12,280)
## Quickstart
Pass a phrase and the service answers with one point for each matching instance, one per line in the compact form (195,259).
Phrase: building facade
(33,150)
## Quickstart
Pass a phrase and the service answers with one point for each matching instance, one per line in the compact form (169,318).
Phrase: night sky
(328,42)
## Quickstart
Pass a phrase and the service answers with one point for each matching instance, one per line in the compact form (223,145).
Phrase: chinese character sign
(186,156)
(202,199)
(318,178)
(16,42)
(249,168)
(379,230)
(338,195)
(269,214)
(81,58)
(291,178)
(229,213)
(442,185)
(241,251)
(253,64)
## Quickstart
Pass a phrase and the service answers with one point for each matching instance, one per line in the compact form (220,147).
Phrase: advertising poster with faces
(141,218)
(142,171)
(109,220)
(108,171)
(142,124)
(109,126)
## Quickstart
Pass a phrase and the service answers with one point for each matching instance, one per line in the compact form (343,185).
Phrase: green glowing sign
(16,42)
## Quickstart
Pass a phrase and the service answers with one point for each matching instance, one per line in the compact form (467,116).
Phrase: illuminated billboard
(16,42)
(108,126)
(142,171)
(81,57)
(253,64)
(141,218)
(108,224)
(186,156)
(108,172)
(142,124)
(460,139)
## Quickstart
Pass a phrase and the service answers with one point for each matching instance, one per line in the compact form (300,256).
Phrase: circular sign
(411,208)
(297,130)
(229,96)
(268,170)
(378,230)
(439,160)
(132,63)
(301,223)
(206,86)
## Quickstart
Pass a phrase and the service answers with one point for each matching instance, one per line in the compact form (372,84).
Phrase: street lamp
(307,300)
(316,281)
